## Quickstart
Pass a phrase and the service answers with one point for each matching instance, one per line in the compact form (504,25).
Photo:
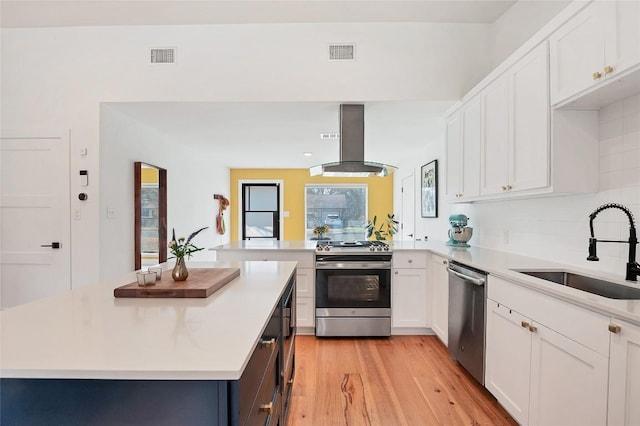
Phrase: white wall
(519,23)
(557,228)
(191,182)
(59,77)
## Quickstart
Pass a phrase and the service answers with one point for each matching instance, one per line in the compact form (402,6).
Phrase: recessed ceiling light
(308,154)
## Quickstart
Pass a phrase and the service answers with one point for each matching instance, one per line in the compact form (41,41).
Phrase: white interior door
(408,220)
(34,208)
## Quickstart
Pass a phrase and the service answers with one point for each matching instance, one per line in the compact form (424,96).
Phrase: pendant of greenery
(385,231)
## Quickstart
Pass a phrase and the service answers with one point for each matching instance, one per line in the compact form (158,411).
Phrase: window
(343,208)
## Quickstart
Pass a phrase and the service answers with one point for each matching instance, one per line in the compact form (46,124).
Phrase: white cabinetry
(515,128)
(440,299)
(598,44)
(624,374)
(305,278)
(463,152)
(546,360)
(409,310)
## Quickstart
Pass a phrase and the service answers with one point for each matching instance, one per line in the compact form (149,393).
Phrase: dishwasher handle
(473,280)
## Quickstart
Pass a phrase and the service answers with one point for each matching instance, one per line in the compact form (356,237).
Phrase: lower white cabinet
(440,299)
(409,298)
(409,288)
(540,376)
(547,361)
(624,374)
(305,298)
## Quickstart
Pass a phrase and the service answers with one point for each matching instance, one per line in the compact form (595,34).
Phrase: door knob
(54,245)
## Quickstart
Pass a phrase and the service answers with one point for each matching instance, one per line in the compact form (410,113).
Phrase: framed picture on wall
(429,189)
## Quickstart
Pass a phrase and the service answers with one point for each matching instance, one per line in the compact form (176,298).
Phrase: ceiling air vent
(342,52)
(164,55)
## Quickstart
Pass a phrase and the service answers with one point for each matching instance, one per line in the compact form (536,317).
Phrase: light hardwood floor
(401,380)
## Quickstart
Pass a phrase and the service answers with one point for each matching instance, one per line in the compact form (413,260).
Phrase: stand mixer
(459,233)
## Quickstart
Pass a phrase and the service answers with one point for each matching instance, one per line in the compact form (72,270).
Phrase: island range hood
(351,162)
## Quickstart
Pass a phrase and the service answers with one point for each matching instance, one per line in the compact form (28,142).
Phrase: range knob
(386,248)
(372,248)
(379,248)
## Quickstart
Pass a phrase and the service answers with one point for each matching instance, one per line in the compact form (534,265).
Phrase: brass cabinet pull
(524,324)
(615,328)
(533,328)
(508,187)
(266,408)
(268,343)
(608,69)
(596,75)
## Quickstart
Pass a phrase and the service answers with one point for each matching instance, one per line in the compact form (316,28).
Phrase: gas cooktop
(352,246)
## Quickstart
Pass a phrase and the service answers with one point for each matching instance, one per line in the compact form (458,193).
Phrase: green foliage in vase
(184,247)
(387,229)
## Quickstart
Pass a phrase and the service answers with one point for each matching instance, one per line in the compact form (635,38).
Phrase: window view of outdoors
(342,208)
(150,233)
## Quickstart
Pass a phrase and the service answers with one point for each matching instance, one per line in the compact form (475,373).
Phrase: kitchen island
(85,357)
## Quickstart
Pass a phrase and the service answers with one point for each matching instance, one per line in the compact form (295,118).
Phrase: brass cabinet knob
(509,187)
(524,324)
(615,328)
(596,75)
(444,262)
(395,272)
(503,187)
(290,381)
(268,343)
(608,69)
(266,408)
(410,260)
(533,328)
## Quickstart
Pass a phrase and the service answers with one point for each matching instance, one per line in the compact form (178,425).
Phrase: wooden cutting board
(200,283)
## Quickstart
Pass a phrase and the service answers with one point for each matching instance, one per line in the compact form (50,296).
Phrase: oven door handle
(353,265)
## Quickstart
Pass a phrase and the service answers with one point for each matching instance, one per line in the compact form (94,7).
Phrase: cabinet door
(440,307)
(577,51)
(454,156)
(624,375)
(508,359)
(471,132)
(305,279)
(494,168)
(305,312)
(529,154)
(568,381)
(627,37)
(409,298)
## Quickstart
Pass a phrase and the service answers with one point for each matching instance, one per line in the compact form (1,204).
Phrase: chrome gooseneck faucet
(633,268)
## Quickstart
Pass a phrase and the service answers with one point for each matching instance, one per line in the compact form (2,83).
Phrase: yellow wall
(380,195)
(150,175)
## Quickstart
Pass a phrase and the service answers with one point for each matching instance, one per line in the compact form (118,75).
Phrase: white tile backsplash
(557,228)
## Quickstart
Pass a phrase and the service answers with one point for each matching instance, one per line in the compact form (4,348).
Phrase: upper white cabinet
(463,152)
(515,128)
(598,44)
(624,374)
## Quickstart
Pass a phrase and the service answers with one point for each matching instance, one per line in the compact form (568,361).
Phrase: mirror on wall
(150,195)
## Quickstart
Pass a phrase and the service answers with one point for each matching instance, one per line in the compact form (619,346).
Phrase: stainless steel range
(353,288)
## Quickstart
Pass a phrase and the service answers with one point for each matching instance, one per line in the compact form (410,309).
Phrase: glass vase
(180,271)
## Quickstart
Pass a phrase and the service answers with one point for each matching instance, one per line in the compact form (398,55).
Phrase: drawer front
(266,408)
(256,369)
(581,325)
(410,259)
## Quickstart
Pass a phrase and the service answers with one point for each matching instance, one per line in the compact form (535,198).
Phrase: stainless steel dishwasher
(467,306)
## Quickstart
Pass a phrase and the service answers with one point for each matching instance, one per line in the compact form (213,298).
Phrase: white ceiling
(52,13)
(276,135)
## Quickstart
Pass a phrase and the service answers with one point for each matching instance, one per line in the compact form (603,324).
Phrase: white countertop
(88,333)
(496,263)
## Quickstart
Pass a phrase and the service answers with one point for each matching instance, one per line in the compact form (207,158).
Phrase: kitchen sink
(588,284)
